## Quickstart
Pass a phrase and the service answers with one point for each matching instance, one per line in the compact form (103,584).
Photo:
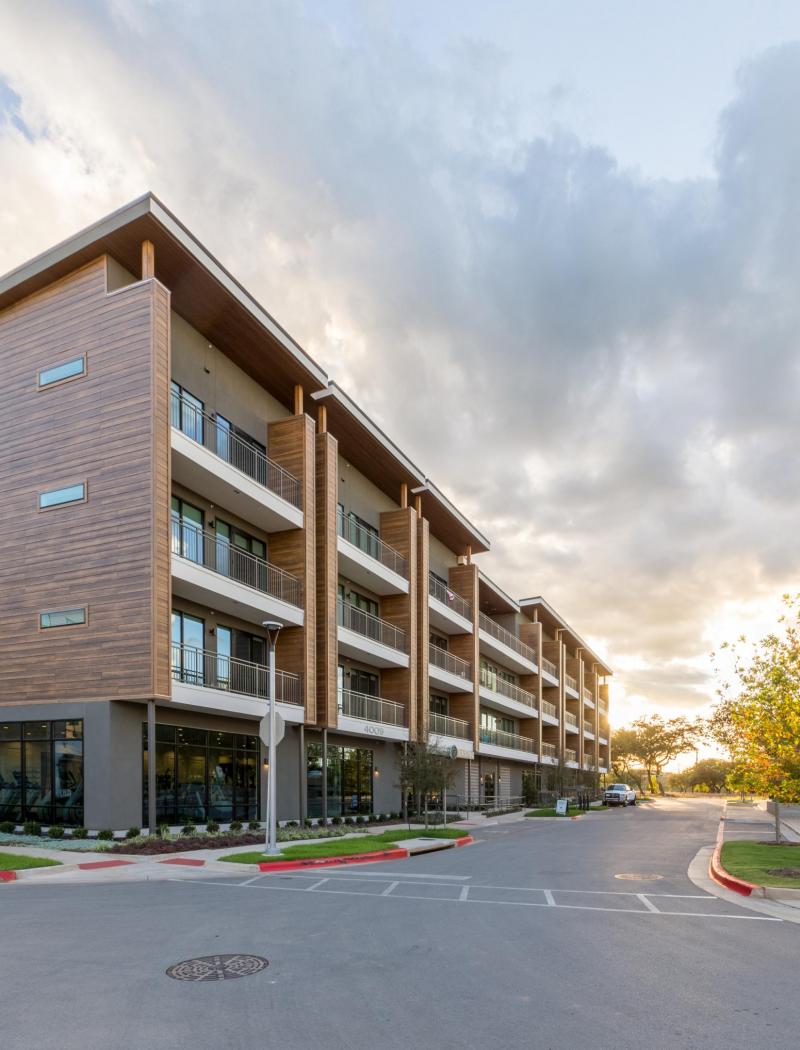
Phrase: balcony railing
(487,624)
(447,726)
(219,438)
(214,552)
(549,709)
(570,719)
(588,763)
(448,662)
(499,685)
(603,708)
(371,708)
(588,695)
(442,593)
(372,627)
(588,727)
(548,750)
(502,739)
(570,755)
(366,541)
(215,671)
(571,682)
(550,667)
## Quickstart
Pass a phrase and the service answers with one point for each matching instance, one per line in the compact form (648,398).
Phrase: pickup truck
(619,795)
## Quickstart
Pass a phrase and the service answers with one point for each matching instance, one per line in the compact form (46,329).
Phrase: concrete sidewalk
(752,821)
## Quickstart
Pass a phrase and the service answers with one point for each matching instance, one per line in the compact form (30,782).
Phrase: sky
(552,248)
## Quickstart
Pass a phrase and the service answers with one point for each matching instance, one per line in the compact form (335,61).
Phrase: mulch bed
(785,873)
(248,838)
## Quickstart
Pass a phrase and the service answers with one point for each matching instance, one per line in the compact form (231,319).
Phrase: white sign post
(561,807)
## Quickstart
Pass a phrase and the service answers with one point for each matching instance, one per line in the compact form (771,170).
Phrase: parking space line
(647,903)
(548,896)
(315,885)
(464,893)
(389,889)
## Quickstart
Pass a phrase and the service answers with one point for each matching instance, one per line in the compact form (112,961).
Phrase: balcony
(588,763)
(588,697)
(549,671)
(444,725)
(224,685)
(505,647)
(507,745)
(549,753)
(209,570)
(363,636)
(571,686)
(603,708)
(603,739)
(571,758)
(449,672)
(447,611)
(365,559)
(571,722)
(506,696)
(208,457)
(371,716)
(549,713)
(588,729)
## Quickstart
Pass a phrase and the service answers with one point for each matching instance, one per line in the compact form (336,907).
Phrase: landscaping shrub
(163,831)
(350,820)
(253,825)
(31,827)
(235,825)
(212,827)
(133,833)
(307,822)
(361,819)
(80,833)
(292,824)
(321,822)
(106,834)
(55,832)
(7,827)
(188,829)
(336,820)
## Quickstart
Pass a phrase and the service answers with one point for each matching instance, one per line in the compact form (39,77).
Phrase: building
(181,472)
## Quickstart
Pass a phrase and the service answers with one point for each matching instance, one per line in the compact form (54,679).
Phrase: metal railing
(501,739)
(442,593)
(588,727)
(570,755)
(589,764)
(548,750)
(372,627)
(217,553)
(603,708)
(550,667)
(448,726)
(371,708)
(549,709)
(499,685)
(588,696)
(602,739)
(349,529)
(448,662)
(201,667)
(570,719)
(220,439)
(487,624)
(571,682)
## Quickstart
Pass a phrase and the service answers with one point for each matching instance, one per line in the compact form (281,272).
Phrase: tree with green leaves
(423,770)
(757,718)
(659,742)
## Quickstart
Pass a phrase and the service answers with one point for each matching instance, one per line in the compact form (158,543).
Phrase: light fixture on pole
(272,627)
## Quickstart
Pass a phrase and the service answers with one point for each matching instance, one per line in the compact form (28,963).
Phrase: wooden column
(148,260)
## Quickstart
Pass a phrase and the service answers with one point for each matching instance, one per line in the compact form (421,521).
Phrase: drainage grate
(637,877)
(217,967)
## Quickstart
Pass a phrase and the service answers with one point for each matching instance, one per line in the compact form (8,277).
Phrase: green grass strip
(752,862)
(16,862)
(344,847)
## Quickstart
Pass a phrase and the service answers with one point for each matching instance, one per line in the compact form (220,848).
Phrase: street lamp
(273,629)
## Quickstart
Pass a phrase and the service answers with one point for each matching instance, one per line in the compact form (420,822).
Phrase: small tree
(424,769)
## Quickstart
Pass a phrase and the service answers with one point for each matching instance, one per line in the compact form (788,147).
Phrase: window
(41,772)
(364,682)
(202,775)
(236,551)
(438,641)
(350,773)
(62,497)
(187,413)
(63,618)
(368,605)
(187,531)
(188,636)
(438,705)
(60,373)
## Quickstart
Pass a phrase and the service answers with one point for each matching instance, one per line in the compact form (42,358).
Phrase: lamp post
(272,628)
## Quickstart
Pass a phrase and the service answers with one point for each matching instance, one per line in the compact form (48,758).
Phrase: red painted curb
(324,862)
(104,864)
(190,862)
(8,876)
(467,840)
(724,878)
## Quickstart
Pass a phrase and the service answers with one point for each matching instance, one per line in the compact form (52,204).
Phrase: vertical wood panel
(327,487)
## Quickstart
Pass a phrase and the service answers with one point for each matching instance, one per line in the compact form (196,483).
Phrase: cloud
(600,368)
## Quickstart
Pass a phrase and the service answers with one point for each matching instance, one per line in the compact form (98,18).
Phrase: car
(619,795)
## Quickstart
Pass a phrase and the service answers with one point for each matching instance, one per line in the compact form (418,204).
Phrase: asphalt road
(524,940)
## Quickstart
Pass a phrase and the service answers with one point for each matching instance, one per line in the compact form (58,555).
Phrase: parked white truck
(619,795)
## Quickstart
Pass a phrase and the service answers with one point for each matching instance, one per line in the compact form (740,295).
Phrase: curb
(354,858)
(731,882)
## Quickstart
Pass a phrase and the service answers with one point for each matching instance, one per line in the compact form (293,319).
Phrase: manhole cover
(638,877)
(217,967)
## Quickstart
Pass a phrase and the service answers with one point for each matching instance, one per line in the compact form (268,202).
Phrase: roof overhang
(493,599)
(553,621)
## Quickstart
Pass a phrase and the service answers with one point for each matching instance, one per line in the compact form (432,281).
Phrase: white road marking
(389,888)
(315,885)
(647,903)
(548,896)
(464,893)
(361,874)
(255,878)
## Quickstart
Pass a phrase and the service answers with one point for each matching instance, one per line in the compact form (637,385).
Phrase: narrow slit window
(62,497)
(59,373)
(63,618)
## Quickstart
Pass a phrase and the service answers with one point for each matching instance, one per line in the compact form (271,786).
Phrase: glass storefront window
(41,772)
(349,780)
